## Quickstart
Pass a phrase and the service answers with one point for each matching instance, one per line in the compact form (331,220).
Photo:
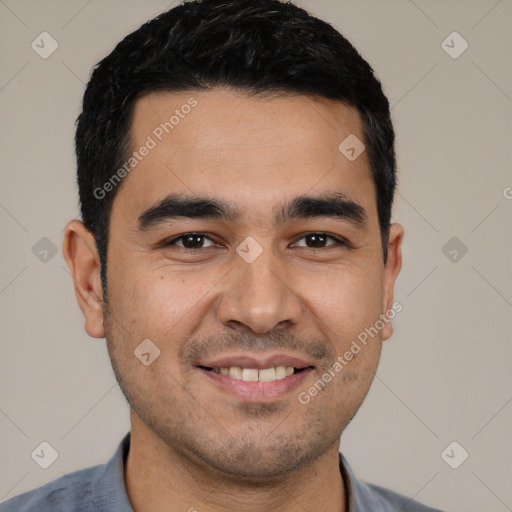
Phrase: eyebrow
(335,205)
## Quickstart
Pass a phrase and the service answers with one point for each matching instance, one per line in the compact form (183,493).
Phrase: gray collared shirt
(102,488)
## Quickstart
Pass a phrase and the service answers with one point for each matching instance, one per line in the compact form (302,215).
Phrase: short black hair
(254,46)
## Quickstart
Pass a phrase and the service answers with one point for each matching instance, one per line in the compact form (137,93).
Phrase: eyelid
(174,239)
(340,241)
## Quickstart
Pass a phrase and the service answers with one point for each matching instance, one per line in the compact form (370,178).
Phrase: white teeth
(255,375)
(281,372)
(250,375)
(267,375)
(235,372)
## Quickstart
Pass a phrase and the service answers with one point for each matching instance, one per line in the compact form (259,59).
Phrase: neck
(159,479)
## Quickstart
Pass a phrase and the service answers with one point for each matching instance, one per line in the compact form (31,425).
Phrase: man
(236,172)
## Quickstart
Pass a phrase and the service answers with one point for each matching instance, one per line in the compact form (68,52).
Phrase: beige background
(445,375)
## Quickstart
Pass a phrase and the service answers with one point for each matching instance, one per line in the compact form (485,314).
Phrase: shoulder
(69,492)
(93,489)
(390,501)
(363,496)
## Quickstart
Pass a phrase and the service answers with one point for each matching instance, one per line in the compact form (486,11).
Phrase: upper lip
(251,361)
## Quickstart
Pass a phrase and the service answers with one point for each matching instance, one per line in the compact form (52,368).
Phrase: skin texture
(193,445)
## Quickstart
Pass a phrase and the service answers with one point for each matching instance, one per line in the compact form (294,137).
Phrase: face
(244,243)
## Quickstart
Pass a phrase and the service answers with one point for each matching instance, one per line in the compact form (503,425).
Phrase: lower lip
(257,391)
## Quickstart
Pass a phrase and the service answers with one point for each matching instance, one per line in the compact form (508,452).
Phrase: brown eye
(318,241)
(190,241)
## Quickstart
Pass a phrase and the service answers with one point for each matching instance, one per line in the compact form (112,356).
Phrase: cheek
(163,303)
(345,301)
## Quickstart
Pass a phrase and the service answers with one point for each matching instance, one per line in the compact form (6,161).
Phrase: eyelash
(339,241)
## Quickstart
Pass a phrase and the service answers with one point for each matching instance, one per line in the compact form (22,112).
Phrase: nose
(259,295)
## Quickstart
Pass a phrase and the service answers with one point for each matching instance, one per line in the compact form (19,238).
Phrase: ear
(81,255)
(391,271)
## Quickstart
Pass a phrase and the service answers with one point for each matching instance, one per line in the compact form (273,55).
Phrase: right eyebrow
(177,205)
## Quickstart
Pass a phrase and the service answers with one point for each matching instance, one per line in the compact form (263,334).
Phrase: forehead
(251,150)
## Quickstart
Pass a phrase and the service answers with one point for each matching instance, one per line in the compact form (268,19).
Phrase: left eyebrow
(336,205)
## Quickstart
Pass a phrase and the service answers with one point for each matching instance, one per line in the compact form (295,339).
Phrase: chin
(261,459)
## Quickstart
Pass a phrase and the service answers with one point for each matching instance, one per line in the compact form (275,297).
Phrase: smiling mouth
(256,375)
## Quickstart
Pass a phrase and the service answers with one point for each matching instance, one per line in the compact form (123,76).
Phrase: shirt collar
(110,488)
